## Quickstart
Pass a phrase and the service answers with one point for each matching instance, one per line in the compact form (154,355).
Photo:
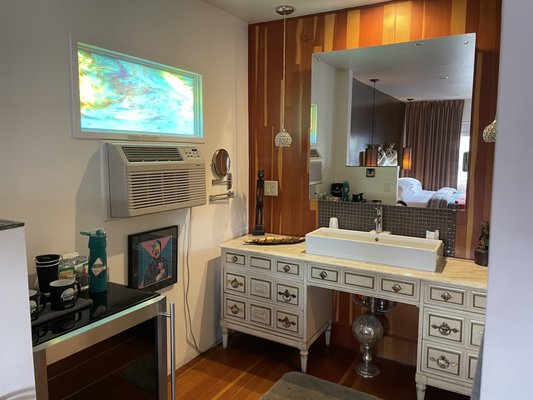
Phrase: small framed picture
(152,258)
(370,172)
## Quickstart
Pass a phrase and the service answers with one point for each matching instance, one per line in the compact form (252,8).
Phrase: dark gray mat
(295,385)
(47,314)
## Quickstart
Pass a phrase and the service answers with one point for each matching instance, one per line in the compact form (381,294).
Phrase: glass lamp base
(367,370)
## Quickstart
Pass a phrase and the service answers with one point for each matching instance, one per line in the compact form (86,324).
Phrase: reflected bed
(411,193)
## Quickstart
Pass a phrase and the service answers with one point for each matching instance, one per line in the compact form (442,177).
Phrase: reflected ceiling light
(407,155)
(283,138)
(371,153)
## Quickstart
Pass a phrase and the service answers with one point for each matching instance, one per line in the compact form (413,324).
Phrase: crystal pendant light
(283,138)
(489,133)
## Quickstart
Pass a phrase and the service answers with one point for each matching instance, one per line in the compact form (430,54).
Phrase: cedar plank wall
(292,213)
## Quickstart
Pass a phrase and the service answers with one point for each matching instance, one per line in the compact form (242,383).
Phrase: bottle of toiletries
(345,191)
(97,261)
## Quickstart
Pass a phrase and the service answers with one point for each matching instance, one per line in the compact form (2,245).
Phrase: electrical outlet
(271,188)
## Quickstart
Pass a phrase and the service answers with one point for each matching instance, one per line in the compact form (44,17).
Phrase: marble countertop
(7,224)
(456,271)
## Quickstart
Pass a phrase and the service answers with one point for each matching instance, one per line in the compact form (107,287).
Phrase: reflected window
(313,125)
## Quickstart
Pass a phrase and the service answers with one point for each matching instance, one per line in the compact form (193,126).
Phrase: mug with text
(63,293)
(37,304)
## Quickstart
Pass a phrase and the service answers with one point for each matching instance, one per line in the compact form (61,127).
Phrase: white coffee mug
(334,223)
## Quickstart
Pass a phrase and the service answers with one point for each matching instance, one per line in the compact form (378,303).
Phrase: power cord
(187,284)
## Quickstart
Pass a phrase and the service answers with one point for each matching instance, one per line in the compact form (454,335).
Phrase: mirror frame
(220,163)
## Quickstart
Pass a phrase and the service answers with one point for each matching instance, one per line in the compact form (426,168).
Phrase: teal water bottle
(97,261)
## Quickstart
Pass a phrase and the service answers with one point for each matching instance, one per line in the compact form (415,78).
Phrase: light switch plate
(271,188)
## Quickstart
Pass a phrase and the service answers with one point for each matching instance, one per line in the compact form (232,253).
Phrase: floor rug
(296,385)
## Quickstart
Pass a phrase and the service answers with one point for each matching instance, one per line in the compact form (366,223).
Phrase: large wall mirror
(421,102)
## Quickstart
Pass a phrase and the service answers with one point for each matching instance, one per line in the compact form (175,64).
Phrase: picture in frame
(152,258)
(370,172)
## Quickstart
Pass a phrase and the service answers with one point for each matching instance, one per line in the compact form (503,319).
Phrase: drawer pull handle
(323,275)
(235,283)
(286,322)
(446,296)
(287,295)
(396,288)
(445,329)
(234,259)
(443,362)
(286,268)
(234,309)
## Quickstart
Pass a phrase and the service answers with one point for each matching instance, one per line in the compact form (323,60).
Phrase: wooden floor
(250,366)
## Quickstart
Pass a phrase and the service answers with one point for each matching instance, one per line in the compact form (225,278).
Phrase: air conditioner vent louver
(146,178)
(162,188)
(153,153)
(315,167)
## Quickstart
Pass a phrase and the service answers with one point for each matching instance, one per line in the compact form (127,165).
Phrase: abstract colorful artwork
(125,94)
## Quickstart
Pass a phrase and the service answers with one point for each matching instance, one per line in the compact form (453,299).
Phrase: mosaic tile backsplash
(400,220)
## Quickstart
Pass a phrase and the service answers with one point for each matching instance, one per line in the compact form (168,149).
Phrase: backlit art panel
(123,94)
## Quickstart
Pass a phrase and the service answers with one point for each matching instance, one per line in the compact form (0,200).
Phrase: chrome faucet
(379,220)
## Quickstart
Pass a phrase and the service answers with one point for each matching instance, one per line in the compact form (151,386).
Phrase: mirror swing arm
(228,181)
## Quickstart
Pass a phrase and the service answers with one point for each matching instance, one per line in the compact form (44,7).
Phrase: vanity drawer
(324,274)
(442,295)
(476,333)
(288,322)
(471,367)
(442,361)
(260,263)
(291,268)
(235,283)
(478,301)
(399,287)
(360,280)
(289,294)
(235,258)
(443,327)
(260,315)
(261,288)
(234,308)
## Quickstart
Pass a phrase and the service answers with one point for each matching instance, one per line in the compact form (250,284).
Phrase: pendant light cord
(373,109)
(282,123)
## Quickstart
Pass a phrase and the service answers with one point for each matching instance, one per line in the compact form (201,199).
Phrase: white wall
(323,95)
(382,186)
(16,363)
(53,182)
(508,350)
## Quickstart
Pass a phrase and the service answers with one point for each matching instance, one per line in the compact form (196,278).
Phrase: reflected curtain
(433,132)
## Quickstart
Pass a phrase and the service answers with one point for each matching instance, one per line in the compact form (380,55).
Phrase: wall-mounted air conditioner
(315,167)
(145,178)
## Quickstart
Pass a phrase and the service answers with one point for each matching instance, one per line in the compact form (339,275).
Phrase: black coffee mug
(45,259)
(37,304)
(63,294)
(47,270)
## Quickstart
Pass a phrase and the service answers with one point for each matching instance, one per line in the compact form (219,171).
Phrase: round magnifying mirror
(221,163)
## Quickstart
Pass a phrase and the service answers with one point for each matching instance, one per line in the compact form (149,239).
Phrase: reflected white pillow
(408,187)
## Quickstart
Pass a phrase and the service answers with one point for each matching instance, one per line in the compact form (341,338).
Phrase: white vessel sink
(399,251)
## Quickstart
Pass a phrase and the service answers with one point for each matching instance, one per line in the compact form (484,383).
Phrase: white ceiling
(252,11)
(431,69)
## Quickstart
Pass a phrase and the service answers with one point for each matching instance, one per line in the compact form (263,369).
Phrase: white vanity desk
(280,293)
